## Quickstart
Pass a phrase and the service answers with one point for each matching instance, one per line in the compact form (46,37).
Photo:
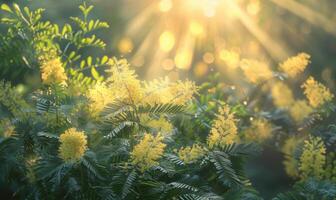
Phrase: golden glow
(308,14)
(138,61)
(208,58)
(167,64)
(231,58)
(275,49)
(125,45)
(253,8)
(196,28)
(165,5)
(183,59)
(207,7)
(167,41)
(201,69)
(184,29)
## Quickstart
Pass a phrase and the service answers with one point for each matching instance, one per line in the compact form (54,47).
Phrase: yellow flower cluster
(300,110)
(313,158)
(73,145)
(158,91)
(53,71)
(148,151)
(123,86)
(289,150)
(6,128)
(124,82)
(191,154)
(182,92)
(282,95)
(295,65)
(256,71)
(163,91)
(224,129)
(259,130)
(99,96)
(316,93)
(160,125)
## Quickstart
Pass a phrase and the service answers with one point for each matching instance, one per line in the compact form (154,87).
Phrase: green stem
(56,103)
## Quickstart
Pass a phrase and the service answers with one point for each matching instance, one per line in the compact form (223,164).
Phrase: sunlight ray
(308,14)
(276,50)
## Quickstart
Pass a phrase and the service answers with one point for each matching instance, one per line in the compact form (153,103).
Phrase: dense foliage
(89,128)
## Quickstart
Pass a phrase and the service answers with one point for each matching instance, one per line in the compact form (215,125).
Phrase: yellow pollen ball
(316,93)
(295,65)
(73,145)
(224,130)
(53,71)
(148,151)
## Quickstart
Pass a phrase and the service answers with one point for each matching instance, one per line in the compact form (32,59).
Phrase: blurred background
(194,38)
(191,38)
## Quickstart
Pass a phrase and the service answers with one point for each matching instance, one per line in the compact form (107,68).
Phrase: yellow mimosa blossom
(316,93)
(120,71)
(256,71)
(158,91)
(148,151)
(191,154)
(52,71)
(300,110)
(161,124)
(259,130)
(182,91)
(73,145)
(224,129)
(131,90)
(99,96)
(282,95)
(124,82)
(162,91)
(6,128)
(295,65)
(289,150)
(313,158)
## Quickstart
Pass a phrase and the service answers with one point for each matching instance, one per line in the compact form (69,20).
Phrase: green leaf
(5,7)
(94,73)
(82,64)
(27,11)
(104,60)
(88,10)
(72,55)
(91,23)
(162,109)
(89,61)
(129,184)
(17,9)
(48,135)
